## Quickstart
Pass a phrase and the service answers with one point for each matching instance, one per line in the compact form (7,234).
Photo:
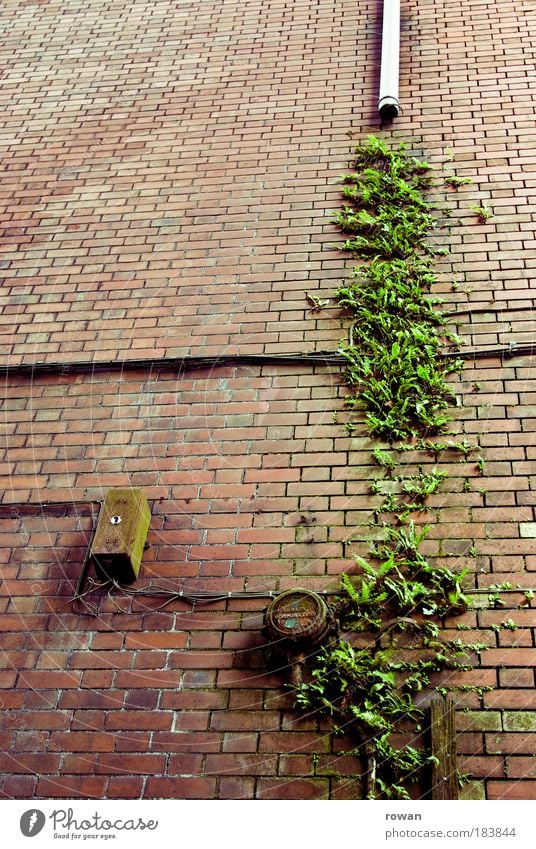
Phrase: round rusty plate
(297,615)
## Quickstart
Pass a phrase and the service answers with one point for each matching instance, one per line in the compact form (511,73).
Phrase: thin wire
(83,576)
(94,586)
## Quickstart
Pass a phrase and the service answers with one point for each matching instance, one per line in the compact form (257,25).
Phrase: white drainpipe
(388,103)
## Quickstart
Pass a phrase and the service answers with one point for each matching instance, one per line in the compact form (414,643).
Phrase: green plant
(385,459)
(455,182)
(369,691)
(399,381)
(508,625)
(424,484)
(494,599)
(484,212)
(317,303)
(394,368)
(529,595)
(358,688)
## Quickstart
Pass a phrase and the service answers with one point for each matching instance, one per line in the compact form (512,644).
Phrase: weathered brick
(515,743)
(515,789)
(170,787)
(81,741)
(303,788)
(24,762)
(120,762)
(520,720)
(72,787)
(476,720)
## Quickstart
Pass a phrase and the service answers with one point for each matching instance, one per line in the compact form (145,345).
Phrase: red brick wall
(168,175)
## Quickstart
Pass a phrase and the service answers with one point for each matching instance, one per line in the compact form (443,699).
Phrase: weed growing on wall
(397,332)
(399,382)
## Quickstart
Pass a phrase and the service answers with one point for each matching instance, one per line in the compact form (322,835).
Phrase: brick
(515,789)
(244,721)
(37,764)
(148,678)
(483,766)
(195,699)
(142,700)
(18,787)
(49,679)
(201,660)
(81,741)
(163,640)
(301,789)
(516,743)
(180,788)
(134,763)
(80,764)
(516,677)
(471,743)
(292,741)
(523,657)
(233,787)
(125,787)
(42,719)
(476,720)
(87,699)
(519,720)
(72,787)
(183,742)
(242,763)
(138,720)
(511,699)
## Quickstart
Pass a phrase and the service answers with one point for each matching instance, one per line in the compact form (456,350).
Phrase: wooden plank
(443,731)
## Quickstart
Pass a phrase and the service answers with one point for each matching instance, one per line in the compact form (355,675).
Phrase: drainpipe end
(389,108)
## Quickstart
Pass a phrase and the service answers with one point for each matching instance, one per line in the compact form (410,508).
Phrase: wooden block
(119,539)
(443,731)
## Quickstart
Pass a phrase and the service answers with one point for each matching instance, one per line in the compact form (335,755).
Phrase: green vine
(390,611)
(397,334)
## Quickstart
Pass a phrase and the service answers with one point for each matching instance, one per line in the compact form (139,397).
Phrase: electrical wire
(182,364)
(15,508)
(178,364)
(481,310)
(208,597)
(155,590)
(507,351)
(93,586)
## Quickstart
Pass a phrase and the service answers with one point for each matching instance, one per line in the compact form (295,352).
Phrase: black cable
(13,508)
(178,364)
(505,351)
(181,364)
(478,310)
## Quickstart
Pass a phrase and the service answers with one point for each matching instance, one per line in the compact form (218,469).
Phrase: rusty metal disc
(299,616)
